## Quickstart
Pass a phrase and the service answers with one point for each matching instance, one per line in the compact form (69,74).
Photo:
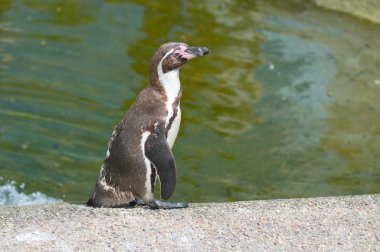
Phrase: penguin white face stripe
(170,82)
(148,184)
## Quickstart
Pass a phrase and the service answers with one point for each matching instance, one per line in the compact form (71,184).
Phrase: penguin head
(172,55)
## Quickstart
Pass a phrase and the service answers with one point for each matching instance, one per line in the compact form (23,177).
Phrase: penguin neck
(170,83)
(167,82)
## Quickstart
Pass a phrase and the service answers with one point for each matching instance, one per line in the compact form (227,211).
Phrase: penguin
(139,150)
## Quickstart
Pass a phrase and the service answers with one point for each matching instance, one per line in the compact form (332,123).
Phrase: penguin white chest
(172,86)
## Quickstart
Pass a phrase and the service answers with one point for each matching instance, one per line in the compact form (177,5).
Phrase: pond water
(286,104)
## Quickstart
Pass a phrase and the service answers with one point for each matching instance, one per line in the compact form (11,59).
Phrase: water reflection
(62,91)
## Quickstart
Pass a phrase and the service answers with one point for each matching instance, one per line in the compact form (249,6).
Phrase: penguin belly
(173,131)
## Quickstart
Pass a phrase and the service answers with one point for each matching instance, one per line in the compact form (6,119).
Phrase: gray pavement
(314,224)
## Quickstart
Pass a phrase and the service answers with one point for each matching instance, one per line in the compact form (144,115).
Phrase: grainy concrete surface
(314,224)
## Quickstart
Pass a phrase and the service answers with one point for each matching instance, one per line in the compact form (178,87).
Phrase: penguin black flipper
(157,150)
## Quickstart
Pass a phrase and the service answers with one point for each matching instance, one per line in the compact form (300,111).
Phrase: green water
(285,105)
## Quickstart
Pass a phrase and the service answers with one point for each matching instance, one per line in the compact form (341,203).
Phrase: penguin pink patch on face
(184,54)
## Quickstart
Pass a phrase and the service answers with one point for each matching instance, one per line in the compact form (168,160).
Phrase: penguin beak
(188,52)
(197,51)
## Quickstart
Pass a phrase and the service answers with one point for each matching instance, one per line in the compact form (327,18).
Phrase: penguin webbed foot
(137,202)
(157,204)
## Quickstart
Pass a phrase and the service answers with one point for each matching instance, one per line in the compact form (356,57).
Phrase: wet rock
(367,9)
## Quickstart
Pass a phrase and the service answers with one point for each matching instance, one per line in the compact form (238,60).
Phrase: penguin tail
(90,202)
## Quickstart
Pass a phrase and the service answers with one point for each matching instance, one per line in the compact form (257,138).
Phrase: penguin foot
(137,202)
(156,204)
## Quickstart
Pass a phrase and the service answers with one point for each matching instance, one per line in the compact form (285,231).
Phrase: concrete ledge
(334,223)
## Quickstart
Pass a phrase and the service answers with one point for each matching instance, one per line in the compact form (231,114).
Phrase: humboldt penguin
(139,150)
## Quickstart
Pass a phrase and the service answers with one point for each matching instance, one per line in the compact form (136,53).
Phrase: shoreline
(368,9)
(329,223)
